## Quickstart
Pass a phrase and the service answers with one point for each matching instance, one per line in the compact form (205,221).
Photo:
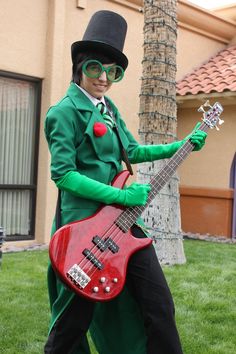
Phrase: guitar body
(90,256)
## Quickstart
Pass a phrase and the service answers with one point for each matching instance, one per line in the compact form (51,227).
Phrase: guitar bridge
(78,276)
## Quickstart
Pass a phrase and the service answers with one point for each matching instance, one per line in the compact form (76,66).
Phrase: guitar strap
(124,156)
(58,211)
(123,151)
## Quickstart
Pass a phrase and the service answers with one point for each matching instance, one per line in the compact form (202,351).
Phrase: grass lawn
(204,291)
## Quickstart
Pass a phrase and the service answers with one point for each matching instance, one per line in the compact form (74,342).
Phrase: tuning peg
(220,121)
(207,104)
(217,128)
(201,109)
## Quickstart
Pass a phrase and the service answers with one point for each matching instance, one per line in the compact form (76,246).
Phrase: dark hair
(88,55)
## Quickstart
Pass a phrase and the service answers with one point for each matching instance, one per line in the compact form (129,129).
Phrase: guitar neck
(130,215)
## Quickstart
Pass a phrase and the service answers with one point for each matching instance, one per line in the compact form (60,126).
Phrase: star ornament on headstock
(212,117)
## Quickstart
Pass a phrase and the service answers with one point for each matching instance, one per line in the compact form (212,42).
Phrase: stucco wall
(211,166)
(192,50)
(23,29)
(35,40)
(227,12)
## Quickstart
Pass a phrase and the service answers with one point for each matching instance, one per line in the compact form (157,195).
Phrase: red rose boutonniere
(99,129)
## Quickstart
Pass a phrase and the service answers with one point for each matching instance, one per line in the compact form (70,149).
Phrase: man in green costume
(85,157)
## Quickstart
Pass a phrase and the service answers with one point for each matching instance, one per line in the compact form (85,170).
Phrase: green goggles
(94,69)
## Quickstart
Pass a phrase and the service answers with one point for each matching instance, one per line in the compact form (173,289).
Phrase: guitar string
(129,219)
(126,223)
(113,235)
(108,233)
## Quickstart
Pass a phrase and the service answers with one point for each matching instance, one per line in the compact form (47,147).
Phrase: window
(19,136)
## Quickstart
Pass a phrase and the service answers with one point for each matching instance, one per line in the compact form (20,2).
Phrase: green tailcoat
(69,127)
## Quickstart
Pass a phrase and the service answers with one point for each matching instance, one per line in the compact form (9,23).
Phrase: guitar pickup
(99,243)
(90,256)
(111,245)
(78,276)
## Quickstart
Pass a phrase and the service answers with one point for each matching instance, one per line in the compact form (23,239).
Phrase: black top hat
(105,32)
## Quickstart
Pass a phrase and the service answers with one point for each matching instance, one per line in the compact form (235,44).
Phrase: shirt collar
(94,100)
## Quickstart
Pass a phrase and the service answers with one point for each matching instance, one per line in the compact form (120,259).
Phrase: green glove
(145,153)
(135,194)
(197,137)
(82,186)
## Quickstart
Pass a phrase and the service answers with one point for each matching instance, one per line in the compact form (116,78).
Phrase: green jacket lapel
(79,99)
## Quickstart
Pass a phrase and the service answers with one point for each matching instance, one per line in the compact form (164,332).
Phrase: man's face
(96,87)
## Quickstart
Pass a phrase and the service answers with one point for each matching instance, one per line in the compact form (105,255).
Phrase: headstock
(212,116)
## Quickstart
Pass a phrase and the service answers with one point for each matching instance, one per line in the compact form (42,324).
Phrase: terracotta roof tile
(218,74)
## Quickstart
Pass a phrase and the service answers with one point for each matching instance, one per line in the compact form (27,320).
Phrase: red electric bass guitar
(90,256)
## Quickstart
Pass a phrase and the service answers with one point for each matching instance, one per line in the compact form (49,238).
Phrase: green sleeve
(147,153)
(60,132)
(85,187)
(144,153)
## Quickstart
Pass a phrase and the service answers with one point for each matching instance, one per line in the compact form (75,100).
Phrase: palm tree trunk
(158,124)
